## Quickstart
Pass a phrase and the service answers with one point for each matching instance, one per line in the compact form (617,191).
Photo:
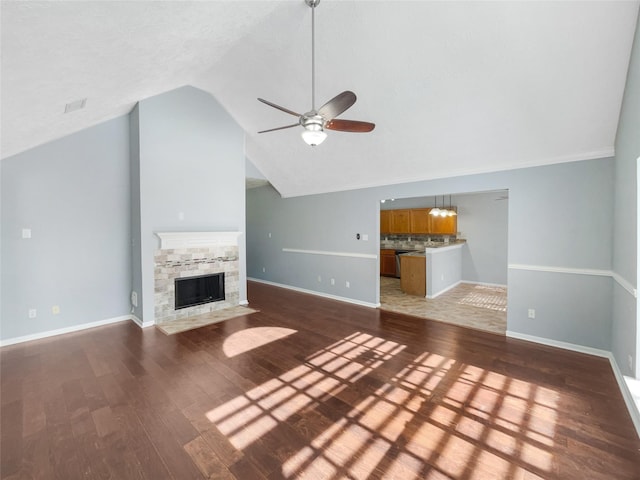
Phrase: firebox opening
(191,291)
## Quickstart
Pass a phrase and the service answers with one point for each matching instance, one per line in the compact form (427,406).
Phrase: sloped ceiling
(453,87)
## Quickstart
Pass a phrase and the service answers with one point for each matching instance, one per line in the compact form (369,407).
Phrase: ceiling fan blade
(337,105)
(354,126)
(285,110)
(279,128)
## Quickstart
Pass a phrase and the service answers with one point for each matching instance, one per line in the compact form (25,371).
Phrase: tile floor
(469,305)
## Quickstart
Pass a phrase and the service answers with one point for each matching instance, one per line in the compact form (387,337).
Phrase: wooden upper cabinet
(420,220)
(401,221)
(444,225)
(385,221)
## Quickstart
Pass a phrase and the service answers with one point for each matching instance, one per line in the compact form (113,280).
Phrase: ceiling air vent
(73,106)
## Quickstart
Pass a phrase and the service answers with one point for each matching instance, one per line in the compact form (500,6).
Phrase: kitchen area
(424,258)
(420,247)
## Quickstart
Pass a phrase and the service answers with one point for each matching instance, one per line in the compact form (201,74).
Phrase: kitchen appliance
(398,253)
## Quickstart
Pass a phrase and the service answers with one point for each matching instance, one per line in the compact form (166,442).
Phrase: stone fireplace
(193,254)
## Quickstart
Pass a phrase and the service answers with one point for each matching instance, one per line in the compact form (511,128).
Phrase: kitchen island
(413,279)
(432,272)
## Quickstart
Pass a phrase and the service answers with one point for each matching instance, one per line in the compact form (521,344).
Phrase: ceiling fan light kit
(314,135)
(315,121)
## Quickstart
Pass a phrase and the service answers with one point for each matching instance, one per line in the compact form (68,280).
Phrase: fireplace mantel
(173,240)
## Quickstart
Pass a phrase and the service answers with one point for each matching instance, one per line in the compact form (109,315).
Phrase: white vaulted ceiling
(453,87)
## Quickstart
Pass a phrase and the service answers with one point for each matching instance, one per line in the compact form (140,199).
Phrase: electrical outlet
(264,269)
(365,237)
(134,298)
(55,309)
(319,279)
(33,313)
(333,281)
(26,233)
(347,284)
(532,313)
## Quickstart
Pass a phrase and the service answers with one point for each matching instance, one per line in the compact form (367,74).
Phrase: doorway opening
(454,272)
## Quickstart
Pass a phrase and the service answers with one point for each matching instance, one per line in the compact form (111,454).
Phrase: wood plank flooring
(309,388)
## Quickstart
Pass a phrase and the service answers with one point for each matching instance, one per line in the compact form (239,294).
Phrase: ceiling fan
(315,121)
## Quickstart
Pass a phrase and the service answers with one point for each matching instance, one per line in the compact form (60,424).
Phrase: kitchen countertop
(414,254)
(444,248)
(421,246)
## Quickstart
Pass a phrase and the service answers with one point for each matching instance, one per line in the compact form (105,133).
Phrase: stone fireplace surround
(187,254)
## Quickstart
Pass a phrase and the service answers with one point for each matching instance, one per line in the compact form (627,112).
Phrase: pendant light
(451,212)
(435,210)
(442,212)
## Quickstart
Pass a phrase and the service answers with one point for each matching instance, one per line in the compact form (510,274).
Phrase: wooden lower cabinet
(388,263)
(413,275)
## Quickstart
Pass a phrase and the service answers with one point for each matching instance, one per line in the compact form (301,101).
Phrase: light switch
(26,233)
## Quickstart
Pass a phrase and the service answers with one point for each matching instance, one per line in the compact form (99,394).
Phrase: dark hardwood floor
(309,388)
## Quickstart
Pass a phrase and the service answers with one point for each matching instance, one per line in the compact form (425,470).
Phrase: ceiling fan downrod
(313,4)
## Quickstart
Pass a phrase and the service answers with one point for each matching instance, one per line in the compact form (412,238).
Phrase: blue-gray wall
(483,220)
(73,193)
(93,201)
(191,170)
(625,332)
(252,171)
(559,217)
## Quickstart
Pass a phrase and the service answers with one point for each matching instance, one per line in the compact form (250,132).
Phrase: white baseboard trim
(140,323)
(318,294)
(484,284)
(557,343)
(62,331)
(629,401)
(454,285)
(244,303)
(622,384)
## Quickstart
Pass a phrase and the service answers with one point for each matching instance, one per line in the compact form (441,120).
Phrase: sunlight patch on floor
(487,297)
(325,373)
(250,338)
(456,420)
